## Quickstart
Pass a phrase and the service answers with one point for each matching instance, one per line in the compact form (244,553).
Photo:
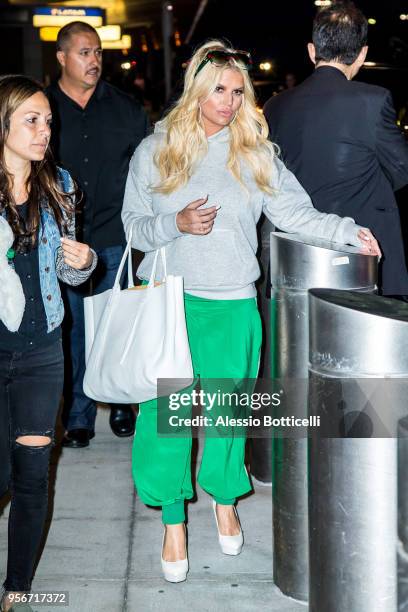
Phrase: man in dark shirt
(96,129)
(340,139)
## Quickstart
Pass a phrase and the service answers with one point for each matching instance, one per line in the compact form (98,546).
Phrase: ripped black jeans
(30,392)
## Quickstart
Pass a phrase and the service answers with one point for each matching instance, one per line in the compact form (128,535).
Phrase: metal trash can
(357,385)
(299,263)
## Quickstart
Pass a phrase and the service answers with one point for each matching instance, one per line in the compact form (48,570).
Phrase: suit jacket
(340,139)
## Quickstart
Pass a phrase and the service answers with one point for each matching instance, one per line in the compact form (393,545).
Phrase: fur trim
(12,300)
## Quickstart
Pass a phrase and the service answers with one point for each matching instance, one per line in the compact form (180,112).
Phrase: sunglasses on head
(218,57)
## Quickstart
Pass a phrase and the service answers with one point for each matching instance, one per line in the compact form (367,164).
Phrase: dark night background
(280,30)
(273,30)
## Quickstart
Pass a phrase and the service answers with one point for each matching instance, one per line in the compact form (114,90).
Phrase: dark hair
(74,27)
(43,184)
(339,33)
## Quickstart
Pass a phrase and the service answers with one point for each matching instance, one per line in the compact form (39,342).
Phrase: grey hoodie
(222,263)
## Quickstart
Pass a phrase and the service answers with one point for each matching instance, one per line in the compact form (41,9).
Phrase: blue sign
(58,16)
(75,11)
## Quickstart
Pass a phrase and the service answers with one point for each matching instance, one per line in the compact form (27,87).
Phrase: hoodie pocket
(212,260)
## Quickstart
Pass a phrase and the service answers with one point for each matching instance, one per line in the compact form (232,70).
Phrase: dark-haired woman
(37,201)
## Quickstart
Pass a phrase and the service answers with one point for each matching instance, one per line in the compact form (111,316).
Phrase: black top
(95,145)
(32,332)
(341,141)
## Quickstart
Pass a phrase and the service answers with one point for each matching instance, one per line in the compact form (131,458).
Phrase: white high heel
(230,544)
(174,571)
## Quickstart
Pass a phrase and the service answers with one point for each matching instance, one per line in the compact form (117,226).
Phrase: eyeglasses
(218,57)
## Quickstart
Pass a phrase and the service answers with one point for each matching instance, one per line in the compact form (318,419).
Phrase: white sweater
(223,263)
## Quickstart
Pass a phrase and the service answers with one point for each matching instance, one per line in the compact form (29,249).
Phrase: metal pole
(167,31)
(357,347)
(297,264)
(197,17)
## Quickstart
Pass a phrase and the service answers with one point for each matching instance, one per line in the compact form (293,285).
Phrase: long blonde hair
(186,142)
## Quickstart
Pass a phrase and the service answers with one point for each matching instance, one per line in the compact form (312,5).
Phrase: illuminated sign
(124,43)
(106,33)
(109,33)
(60,16)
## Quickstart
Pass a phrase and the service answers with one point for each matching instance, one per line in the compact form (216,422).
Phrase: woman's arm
(149,231)
(291,210)
(74,261)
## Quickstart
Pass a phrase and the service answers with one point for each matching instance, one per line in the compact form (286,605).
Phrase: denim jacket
(51,260)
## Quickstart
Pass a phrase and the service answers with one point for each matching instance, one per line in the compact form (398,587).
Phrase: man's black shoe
(77,438)
(122,422)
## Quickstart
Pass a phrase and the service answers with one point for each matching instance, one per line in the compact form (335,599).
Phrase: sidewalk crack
(129,554)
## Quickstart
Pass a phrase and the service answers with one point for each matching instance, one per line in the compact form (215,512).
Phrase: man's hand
(369,243)
(76,254)
(190,220)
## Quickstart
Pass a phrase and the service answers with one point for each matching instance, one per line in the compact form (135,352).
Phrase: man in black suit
(340,138)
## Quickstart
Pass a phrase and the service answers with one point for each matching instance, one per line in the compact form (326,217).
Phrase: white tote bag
(135,336)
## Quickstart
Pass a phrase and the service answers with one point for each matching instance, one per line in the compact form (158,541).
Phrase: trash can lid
(355,335)
(318,242)
(364,302)
(299,262)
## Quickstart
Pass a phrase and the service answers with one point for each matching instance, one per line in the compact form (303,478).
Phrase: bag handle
(131,282)
(126,254)
(153,273)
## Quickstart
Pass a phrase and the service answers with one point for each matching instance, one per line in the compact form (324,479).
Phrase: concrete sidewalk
(103,544)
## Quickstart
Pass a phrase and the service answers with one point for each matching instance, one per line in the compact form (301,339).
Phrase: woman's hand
(76,254)
(369,243)
(190,220)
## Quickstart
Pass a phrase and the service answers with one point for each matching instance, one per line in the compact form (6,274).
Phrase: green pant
(225,339)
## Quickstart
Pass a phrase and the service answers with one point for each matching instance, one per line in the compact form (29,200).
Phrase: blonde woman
(198,186)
